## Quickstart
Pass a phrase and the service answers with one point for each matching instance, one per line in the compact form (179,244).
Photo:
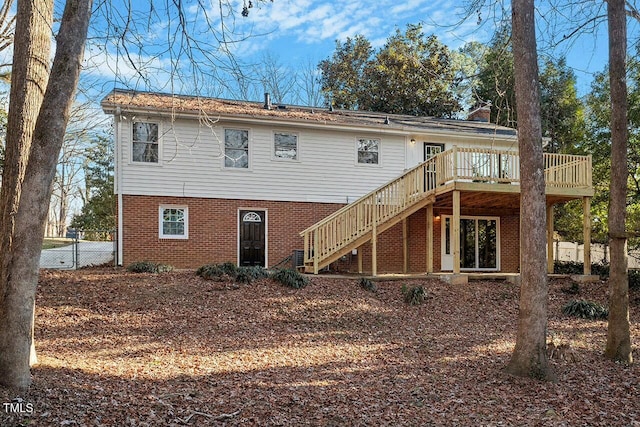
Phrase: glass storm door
(479,243)
(430,150)
(252,238)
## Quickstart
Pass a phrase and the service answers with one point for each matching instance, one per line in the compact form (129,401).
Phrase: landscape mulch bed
(125,349)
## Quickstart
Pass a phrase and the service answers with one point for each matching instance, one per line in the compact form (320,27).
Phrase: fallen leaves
(118,348)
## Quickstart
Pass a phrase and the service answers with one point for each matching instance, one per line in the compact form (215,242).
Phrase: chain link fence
(78,249)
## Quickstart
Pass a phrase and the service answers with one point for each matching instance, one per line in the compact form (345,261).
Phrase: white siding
(191,164)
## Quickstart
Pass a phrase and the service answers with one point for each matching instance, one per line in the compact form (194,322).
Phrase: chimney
(481,112)
(267,101)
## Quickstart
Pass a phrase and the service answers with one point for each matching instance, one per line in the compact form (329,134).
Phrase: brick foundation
(213,234)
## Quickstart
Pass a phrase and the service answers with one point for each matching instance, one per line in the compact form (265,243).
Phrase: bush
(228,268)
(290,278)
(368,285)
(211,272)
(148,267)
(585,310)
(249,274)
(575,267)
(415,295)
(229,271)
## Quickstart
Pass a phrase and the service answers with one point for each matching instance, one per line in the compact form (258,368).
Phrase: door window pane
(487,248)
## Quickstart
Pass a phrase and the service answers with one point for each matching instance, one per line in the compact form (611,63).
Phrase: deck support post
(405,247)
(586,229)
(550,239)
(429,233)
(374,241)
(455,232)
(316,251)
(360,260)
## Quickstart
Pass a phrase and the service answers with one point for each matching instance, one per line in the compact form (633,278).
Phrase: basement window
(174,222)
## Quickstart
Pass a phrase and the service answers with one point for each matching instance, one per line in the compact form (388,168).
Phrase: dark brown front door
(252,238)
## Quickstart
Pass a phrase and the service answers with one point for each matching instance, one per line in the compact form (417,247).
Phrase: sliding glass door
(479,243)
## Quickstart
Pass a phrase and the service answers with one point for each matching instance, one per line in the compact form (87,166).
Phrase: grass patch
(52,243)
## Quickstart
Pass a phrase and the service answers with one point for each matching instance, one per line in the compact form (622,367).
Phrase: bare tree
(529,357)
(309,90)
(276,79)
(30,72)
(35,150)
(618,336)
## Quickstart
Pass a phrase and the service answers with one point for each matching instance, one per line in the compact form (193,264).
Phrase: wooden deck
(482,181)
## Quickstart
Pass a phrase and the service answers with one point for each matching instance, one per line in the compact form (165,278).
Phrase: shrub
(211,272)
(415,295)
(148,267)
(585,310)
(228,268)
(249,274)
(368,285)
(290,278)
(575,267)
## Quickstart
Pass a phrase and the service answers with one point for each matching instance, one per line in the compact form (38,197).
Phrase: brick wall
(510,244)
(213,229)
(213,234)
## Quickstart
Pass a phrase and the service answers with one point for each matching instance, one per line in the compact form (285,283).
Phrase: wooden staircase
(370,215)
(373,213)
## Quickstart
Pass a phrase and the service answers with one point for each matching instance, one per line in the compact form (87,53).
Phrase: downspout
(118,182)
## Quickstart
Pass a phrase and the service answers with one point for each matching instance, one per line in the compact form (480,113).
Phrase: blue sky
(299,32)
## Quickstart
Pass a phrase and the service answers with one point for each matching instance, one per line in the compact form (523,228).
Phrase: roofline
(112,108)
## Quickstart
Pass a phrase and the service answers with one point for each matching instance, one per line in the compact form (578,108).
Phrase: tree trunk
(29,74)
(21,276)
(618,335)
(529,357)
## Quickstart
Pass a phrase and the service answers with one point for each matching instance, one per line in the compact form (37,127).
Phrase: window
(236,148)
(174,222)
(145,142)
(285,146)
(368,151)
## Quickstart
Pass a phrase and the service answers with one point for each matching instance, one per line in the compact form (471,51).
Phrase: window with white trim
(145,142)
(174,222)
(285,146)
(236,148)
(368,151)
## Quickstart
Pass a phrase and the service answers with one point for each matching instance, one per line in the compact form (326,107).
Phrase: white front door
(479,243)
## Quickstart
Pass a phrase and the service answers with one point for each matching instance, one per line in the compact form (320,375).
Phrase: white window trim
(249,150)
(161,234)
(143,120)
(273,147)
(498,239)
(368,165)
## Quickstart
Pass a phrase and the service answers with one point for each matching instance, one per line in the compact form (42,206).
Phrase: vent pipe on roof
(267,101)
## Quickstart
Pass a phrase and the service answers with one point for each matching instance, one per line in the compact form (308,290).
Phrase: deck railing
(355,221)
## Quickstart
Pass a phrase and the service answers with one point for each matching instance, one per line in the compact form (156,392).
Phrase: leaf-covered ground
(118,349)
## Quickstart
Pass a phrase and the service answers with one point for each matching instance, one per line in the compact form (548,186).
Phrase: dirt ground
(124,349)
